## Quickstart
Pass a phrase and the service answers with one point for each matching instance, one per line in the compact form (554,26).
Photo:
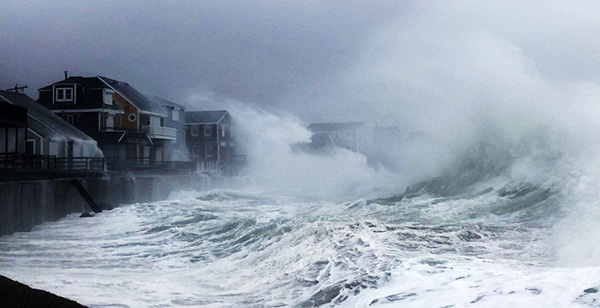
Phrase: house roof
(123,88)
(165,102)
(12,115)
(88,82)
(204,116)
(134,96)
(43,121)
(335,127)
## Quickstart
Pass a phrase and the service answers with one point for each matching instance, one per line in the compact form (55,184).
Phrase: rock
(323,296)
(15,294)
(591,290)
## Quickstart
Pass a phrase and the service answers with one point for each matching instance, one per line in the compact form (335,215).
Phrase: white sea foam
(237,248)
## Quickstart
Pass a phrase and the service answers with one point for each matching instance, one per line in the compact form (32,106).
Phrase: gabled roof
(335,127)
(123,88)
(165,102)
(12,115)
(43,121)
(134,96)
(88,82)
(204,116)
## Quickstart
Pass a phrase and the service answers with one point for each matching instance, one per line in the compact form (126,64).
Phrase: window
(194,130)
(70,119)
(175,115)
(132,117)
(107,97)
(110,121)
(64,95)
(196,151)
(207,130)
(222,130)
(208,151)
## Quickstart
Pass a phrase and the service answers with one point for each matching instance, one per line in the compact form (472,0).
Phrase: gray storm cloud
(251,51)
(382,61)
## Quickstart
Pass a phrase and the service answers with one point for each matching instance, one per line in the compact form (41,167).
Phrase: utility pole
(17,88)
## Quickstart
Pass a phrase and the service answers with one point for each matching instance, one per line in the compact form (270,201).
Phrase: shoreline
(16,294)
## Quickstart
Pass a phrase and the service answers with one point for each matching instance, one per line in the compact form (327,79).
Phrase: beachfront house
(210,140)
(32,138)
(129,127)
(47,134)
(13,128)
(345,135)
(177,151)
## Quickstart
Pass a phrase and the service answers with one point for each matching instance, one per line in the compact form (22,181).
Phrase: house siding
(128,109)
(222,146)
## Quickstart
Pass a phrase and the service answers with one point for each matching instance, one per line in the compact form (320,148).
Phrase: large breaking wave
(502,219)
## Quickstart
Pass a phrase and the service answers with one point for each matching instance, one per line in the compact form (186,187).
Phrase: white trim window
(207,130)
(194,130)
(107,96)
(175,114)
(64,95)
(208,151)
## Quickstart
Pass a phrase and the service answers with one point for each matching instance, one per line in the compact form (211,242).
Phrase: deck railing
(145,163)
(51,166)
(32,162)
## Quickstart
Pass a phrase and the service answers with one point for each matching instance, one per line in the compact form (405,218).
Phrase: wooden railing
(112,163)
(32,162)
(80,163)
(13,161)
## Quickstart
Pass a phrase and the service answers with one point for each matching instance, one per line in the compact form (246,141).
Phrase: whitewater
(504,220)
(248,248)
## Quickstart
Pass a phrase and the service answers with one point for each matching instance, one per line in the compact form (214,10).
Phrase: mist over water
(504,215)
(500,210)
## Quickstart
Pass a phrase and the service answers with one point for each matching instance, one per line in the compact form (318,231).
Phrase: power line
(17,88)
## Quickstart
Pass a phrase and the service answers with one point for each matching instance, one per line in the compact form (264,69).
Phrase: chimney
(66,75)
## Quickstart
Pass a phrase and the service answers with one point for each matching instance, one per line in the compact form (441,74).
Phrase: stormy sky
(385,61)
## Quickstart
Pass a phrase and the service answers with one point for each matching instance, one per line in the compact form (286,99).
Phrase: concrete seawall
(26,204)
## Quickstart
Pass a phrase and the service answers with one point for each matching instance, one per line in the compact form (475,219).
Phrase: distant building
(129,127)
(209,137)
(175,119)
(345,135)
(47,134)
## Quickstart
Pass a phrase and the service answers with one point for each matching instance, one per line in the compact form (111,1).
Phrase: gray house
(209,138)
(345,135)
(13,129)
(48,134)
(177,150)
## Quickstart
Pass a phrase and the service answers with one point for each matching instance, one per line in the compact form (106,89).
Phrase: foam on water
(226,248)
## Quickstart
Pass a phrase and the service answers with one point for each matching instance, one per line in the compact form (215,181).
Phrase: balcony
(160,132)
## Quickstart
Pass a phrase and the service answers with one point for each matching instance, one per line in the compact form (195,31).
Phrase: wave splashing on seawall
(494,228)
(485,232)
(235,248)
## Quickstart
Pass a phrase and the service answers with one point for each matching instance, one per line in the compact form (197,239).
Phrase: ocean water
(489,247)
(510,221)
